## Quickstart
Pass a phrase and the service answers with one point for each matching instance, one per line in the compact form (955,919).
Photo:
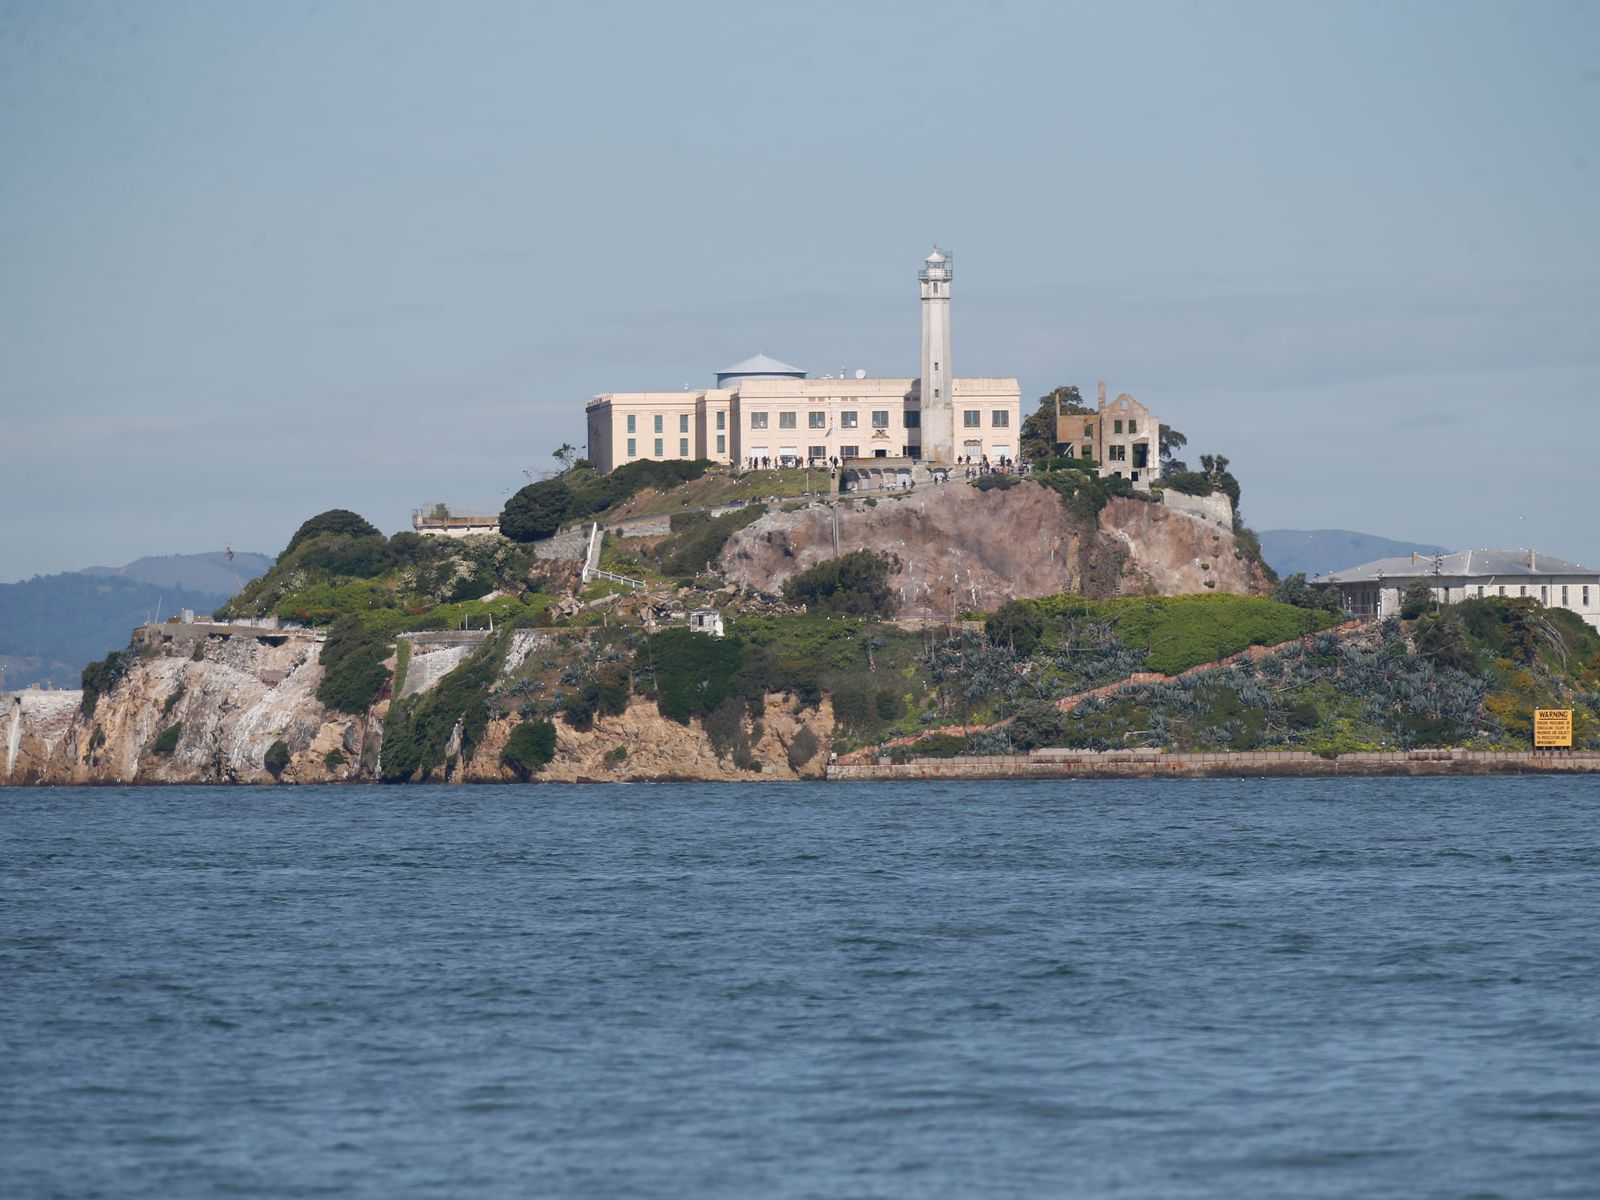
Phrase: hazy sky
(262,259)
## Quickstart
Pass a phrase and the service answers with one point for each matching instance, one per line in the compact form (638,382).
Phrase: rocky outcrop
(965,549)
(241,694)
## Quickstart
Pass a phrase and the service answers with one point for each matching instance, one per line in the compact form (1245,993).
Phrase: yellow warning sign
(1552,727)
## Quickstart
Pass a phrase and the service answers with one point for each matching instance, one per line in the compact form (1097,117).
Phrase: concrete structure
(766,412)
(440,520)
(1124,437)
(1374,589)
(707,621)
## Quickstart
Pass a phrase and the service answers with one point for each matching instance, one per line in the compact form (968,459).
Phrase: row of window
(683,422)
(683,447)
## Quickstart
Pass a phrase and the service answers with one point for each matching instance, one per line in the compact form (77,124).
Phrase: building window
(971,418)
(632,426)
(1522,589)
(1088,429)
(1000,419)
(1116,427)
(683,447)
(1586,596)
(936,364)
(849,451)
(847,420)
(722,419)
(1544,593)
(935,393)
(722,443)
(659,452)
(1068,453)
(1502,589)
(816,452)
(1563,595)
(659,427)
(633,446)
(683,422)
(1117,454)
(786,420)
(758,420)
(913,419)
(880,418)
(817,420)
(1480,591)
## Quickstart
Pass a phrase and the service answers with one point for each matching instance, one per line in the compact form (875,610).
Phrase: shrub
(418,728)
(1014,624)
(171,702)
(335,520)
(699,543)
(616,756)
(537,511)
(353,666)
(102,676)
(856,583)
(803,748)
(334,759)
(693,673)
(276,758)
(167,741)
(530,748)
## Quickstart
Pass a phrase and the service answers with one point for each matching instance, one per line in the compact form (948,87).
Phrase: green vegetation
(338,521)
(530,748)
(856,583)
(419,728)
(276,758)
(167,740)
(102,676)
(353,667)
(1172,633)
(697,539)
(171,702)
(579,492)
(334,759)
(693,673)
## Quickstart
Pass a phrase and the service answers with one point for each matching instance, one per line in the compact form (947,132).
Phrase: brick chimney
(1533,563)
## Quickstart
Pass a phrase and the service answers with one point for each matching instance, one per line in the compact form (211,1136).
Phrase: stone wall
(1154,764)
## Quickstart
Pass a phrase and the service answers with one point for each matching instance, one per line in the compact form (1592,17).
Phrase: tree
(1038,437)
(1415,600)
(335,520)
(1171,442)
(530,748)
(566,455)
(1294,589)
(537,511)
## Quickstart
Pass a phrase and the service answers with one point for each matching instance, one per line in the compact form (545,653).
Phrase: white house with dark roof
(1375,588)
(763,412)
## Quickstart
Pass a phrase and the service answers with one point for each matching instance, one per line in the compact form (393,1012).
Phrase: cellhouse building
(763,412)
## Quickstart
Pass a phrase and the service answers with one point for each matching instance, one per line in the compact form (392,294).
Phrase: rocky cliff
(961,548)
(240,694)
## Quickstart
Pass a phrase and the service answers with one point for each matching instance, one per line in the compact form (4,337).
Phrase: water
(1214,989)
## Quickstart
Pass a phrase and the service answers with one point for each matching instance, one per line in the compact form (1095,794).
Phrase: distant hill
(211,572)
(51,626)
(1317,551)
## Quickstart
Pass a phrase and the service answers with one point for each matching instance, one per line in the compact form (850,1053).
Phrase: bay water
(1228,988)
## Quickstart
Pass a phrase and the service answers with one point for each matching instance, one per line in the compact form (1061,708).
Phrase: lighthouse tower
(938,417)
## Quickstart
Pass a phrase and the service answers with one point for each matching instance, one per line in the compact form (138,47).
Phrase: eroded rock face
(962,549)
(245,694)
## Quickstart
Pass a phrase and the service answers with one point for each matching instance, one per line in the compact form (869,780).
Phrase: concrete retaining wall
(1145,764)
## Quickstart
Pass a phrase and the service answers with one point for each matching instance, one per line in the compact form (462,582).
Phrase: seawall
(1133,764)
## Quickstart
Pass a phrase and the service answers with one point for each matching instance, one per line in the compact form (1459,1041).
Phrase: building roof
(1476,564)
(761,364)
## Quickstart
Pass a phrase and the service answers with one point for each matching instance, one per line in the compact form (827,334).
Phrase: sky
(258,260)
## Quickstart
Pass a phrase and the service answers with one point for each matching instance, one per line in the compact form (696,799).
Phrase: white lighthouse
(938,417)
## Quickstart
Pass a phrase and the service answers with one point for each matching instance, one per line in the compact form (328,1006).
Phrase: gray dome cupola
(760,366)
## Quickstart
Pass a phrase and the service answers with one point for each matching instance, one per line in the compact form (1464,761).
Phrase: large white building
(765,411)
(1375,589)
